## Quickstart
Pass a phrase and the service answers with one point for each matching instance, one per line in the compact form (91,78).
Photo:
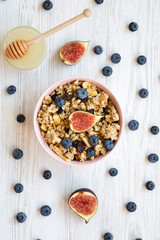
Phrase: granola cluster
(54,121)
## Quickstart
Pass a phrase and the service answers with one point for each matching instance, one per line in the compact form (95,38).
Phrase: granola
(54,121)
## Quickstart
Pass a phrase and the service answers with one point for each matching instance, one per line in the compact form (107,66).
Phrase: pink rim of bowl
(49,91)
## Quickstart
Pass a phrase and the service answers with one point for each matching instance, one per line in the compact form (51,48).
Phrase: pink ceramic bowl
(51,89)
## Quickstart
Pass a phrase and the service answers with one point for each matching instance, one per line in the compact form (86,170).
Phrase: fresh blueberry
(131,206)
(138,238)
(20,118)
(115,58)
(113,172)
(141,60)
(93,140)
(133,26)
(59,101)
(82,93)
(133,125)
(154,130)
(90,152)
(153,158)
(18,188)
(21,217)
(143,93)
(108,236)
(108,144)
(98,49)
(150,185)
(99,1)
(11,89)
(47,174)
(45,210)
(107,71)
(17,154)
(67,143)
(47,5)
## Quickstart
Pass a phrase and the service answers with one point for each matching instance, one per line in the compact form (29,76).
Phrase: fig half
(81,121)
(73,52)
(84,202)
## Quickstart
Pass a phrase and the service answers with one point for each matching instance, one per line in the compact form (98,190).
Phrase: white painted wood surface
(107,27)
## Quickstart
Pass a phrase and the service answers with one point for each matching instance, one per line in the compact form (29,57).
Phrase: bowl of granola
(86,99)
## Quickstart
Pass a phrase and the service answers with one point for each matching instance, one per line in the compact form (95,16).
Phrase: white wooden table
(107,27)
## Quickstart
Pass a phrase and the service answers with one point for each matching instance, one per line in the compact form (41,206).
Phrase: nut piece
(92,92)
(56,119)
(86,84)
(44,127)
(59,153)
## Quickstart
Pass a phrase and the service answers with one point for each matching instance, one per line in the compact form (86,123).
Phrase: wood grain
(107,27)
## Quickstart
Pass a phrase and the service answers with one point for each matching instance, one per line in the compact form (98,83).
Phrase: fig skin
(88,191)
(85,129)
(84,43)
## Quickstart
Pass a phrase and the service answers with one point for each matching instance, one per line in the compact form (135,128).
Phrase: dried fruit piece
(84,202)
(73,52)
(81,121)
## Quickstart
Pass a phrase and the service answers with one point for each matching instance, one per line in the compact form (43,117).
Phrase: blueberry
(108,144)
(82,93)
(90,152)
(141,60)
(150,185)
(11,89)
(153,158)
(113,172)
(143,93)
(98,49)
(47,174)
(17,154)
(67,143)
(115,58)
(18,188)
(93,140)
(107,71)
(154,130)
(108,236)
(47,5)
(138,238)
(45,210)
(21,217)
(133,125)
(20,118)
(133,26)
(131,206)
(59,101)
(99,1)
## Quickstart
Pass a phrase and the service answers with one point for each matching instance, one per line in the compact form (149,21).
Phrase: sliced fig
(81,121)
(84,202)
(73,52)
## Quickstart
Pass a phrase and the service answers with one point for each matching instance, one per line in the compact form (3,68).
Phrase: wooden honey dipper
(19,48)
